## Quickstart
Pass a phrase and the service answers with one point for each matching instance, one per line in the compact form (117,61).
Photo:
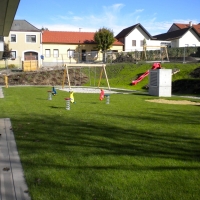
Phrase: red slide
(154,66)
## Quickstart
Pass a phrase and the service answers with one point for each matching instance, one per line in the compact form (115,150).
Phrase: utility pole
(186,45)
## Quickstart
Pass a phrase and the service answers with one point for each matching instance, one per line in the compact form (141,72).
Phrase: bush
(11,66)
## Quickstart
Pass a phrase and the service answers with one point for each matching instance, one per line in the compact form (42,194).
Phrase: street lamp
(186,45)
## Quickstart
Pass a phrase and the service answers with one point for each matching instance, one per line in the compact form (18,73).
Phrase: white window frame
(47,53)
(71,53)
(31,38)
(55,53)
(134,43)
(15,36)
(13,55)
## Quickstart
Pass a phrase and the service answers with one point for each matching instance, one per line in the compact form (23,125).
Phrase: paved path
(1,93)
(12,182)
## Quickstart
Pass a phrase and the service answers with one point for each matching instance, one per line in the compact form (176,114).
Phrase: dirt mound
(43,77)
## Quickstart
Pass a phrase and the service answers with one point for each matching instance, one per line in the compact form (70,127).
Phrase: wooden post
(104,68)
(166,53)
(100,77)
(64,77)
(144,49)
(69,84)
(6,81)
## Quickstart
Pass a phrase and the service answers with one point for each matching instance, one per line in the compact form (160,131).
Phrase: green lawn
(121,75)
(129,149)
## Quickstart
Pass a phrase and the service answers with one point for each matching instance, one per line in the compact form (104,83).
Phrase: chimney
(190,23)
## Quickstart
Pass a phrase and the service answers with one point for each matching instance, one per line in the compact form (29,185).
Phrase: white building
(135,37)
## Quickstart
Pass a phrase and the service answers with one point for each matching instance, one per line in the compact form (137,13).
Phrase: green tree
(7,51)
(104,38)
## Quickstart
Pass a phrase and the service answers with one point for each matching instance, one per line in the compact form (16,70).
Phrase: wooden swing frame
(145,49)
(74,66)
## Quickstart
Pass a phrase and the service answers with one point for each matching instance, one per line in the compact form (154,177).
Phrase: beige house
(24,40)
(31,45)
(60,47)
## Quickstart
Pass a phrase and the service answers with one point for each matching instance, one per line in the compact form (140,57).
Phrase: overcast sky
(155,16)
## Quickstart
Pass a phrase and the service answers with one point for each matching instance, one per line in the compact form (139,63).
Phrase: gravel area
(88,90)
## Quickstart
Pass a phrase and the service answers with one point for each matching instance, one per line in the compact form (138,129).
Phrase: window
(13,55)
(31,38)
(70,53)
(47,53)
(55,53)
(141,43)
(133,43)
(13,38)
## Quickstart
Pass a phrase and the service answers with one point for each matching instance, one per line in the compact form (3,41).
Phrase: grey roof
(173,34)
(128,30)
(23,25)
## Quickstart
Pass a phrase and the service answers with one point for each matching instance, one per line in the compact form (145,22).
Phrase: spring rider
(101,97)
(54,91)
(71,96)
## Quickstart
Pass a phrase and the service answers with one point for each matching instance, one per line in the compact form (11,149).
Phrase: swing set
(162,49)
(81,66)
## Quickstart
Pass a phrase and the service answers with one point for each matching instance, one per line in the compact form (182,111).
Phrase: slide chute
(154,66)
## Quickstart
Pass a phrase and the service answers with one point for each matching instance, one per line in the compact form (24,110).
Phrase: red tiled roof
(117,42)
(195,26)
(64,37)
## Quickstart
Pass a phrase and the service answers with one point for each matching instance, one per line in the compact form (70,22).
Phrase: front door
(83,55)
(30,55)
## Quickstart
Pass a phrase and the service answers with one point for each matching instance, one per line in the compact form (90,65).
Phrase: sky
(156,16)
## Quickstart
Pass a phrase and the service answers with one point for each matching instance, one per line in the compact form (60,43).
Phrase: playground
(96,150)
(131,148)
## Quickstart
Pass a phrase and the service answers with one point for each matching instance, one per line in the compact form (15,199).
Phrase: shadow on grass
(43,99)
(56,107)
(73,136)
(55,150)
(141,94)
(114,167)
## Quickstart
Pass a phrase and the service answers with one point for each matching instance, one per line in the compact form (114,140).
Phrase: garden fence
(183,54)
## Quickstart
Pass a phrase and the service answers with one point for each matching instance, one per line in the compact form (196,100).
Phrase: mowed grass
(121,75)
(129,149)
